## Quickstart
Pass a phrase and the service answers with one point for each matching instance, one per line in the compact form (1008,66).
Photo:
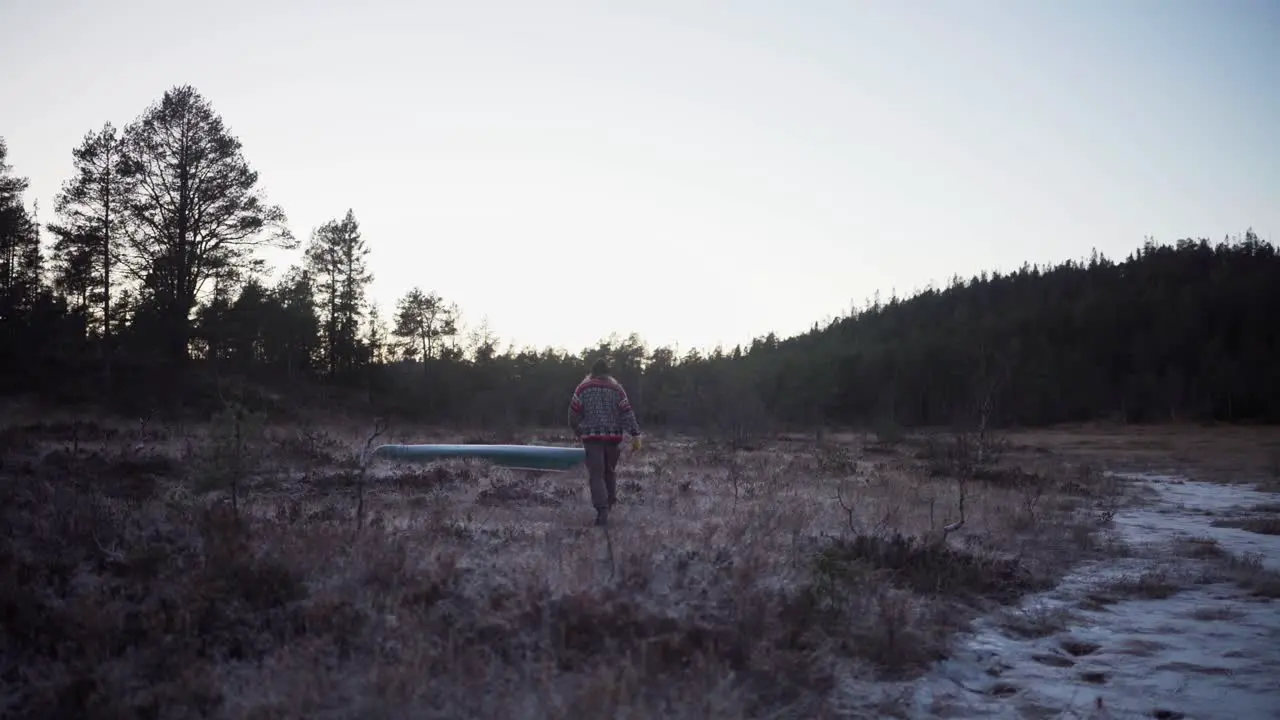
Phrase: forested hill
(124,292)
(1183,332)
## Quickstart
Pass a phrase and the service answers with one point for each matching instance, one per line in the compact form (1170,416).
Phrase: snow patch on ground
(1207,651)
(1186,508)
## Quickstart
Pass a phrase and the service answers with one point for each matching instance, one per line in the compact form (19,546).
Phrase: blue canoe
(518,457)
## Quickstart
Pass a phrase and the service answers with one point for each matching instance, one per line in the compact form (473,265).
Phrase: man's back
(601,410)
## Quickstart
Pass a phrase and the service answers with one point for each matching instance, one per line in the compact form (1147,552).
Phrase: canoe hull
(521,457)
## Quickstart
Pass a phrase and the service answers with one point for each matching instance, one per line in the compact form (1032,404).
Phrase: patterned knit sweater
(600,410)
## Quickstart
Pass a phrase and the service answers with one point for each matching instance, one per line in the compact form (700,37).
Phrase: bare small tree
(379,427)
(234,447)
(973,451)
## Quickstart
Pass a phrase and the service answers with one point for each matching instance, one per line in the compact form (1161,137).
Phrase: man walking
(599,414)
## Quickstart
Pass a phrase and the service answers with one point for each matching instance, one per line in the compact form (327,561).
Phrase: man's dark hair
(600,368)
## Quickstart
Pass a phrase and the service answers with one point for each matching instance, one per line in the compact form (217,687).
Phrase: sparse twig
(972,452)
(237,458)
(232,451)
(948,529)
(112,553)
(848,509)
(965,472)
(735,473)
(143,422)
(379,427)
(1032,491)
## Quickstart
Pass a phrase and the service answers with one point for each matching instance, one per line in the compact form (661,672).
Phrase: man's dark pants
(602,464)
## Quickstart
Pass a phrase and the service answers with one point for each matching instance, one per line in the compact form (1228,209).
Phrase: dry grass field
(1216,453)
(242,570)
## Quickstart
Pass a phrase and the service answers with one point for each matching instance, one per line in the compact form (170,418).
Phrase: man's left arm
(628,414)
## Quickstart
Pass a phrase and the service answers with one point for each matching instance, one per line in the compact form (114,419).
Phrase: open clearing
(785,579)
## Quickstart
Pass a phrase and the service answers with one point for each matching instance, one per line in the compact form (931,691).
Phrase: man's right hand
(635,443)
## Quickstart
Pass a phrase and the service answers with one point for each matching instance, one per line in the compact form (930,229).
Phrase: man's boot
(602,516)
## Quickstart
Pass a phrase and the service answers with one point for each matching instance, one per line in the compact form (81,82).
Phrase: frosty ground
(1181,625)
(169,572)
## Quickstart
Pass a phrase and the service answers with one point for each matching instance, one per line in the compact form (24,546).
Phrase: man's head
(600,368)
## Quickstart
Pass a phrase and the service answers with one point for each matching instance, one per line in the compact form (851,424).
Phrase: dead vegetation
(1212,613)
(1215,453)
(1157,583)
(1261,524)
(245,570)
(1248,573)
(1194,561)
(1035,621)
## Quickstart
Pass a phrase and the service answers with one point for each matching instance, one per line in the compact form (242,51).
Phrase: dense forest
(146,292)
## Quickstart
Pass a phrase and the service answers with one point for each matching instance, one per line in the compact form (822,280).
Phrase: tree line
(147,287)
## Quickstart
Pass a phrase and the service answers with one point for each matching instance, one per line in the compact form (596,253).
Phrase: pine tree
(376,334)
(422,321)
(338,259)
(195,209)
(20,257)
(293,329)
(88,234)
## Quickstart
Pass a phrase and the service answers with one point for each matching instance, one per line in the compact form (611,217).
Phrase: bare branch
(112,553)
(948,529)
(848,509)
(379,427)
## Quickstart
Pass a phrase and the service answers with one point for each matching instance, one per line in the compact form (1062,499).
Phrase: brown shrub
(928,568)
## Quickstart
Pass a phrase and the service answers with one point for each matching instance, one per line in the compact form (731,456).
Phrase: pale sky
(695,172)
